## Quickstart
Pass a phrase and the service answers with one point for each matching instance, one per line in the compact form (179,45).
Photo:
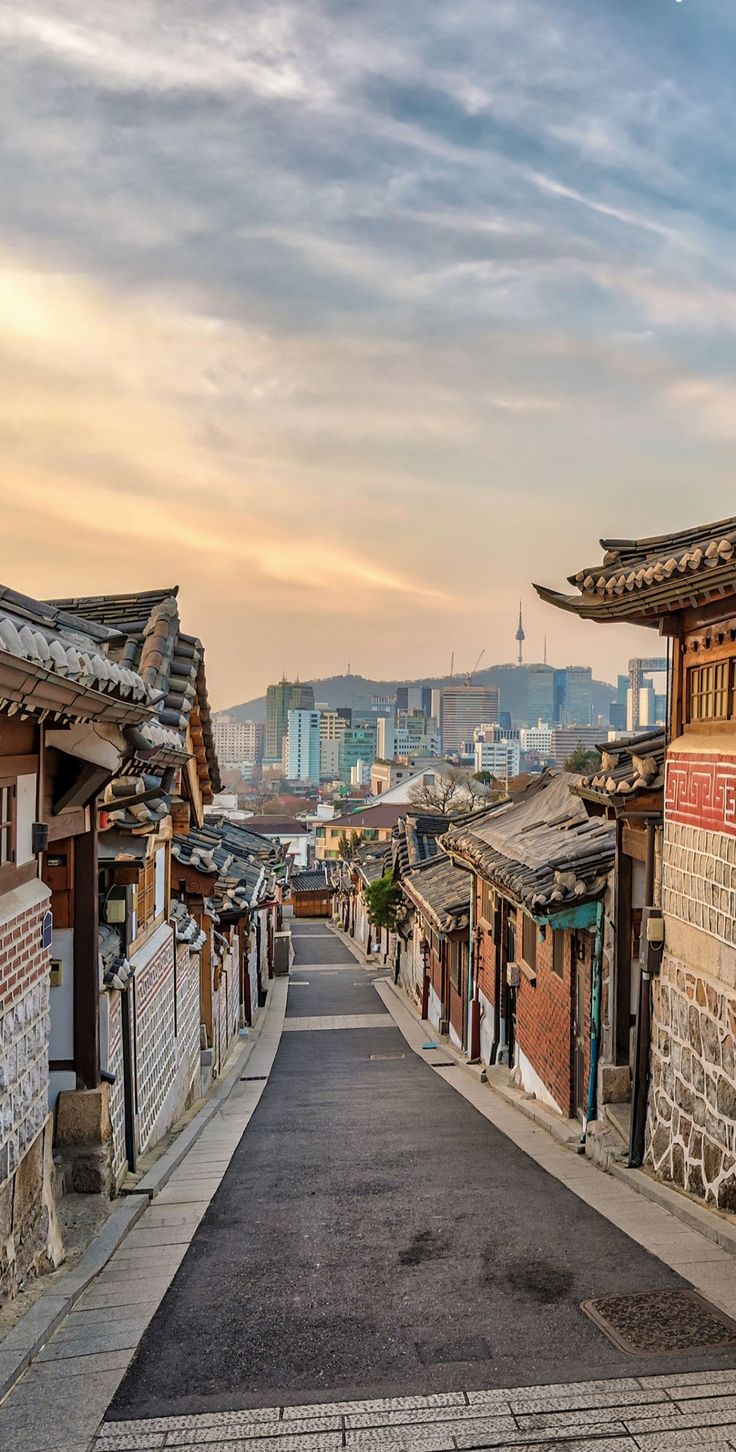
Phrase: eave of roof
(643,581)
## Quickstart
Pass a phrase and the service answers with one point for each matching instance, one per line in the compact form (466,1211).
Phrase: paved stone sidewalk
(58,1403)
(651,1414)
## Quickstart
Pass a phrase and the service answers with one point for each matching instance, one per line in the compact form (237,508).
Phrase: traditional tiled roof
(123,810)
(170,662)
(186,928)
(441,892)
(415,840)
(116,970)
(645,579)
(69,664)
(629,766)
(541,847)
(311,881)
(239,879)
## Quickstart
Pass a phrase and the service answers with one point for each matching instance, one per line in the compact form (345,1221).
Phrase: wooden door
(580,1086)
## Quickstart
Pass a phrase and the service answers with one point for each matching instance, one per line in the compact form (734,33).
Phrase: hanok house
(69,715)
(415,842)
(312,894)
(439,893)
(540,874)
(234,894)
(684,585)
(150,1009)
(628,788)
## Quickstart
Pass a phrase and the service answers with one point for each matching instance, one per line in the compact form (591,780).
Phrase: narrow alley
(374,1236)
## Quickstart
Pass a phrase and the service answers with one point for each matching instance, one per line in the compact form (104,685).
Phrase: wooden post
(621,996)
(86,972)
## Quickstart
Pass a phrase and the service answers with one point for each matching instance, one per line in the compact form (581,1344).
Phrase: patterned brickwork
(699,878)
(187,1013)
(691,1135)
(701,791)
(155,1041)
(24,1035)
(117,1091)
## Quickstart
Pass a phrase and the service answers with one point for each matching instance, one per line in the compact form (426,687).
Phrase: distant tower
(521,637)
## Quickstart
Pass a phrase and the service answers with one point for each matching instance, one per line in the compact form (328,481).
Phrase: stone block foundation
(691,1133)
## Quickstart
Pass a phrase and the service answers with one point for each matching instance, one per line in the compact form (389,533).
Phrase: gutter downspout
(497,931)
(595,1022)
(640,1086)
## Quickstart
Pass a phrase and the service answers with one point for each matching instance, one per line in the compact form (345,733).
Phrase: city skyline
(379,309)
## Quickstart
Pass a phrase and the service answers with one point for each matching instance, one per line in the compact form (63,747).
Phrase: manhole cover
(381,1058)
(470,1348)
(661,1321)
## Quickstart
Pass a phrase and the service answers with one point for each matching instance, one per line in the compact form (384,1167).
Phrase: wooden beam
(86,985)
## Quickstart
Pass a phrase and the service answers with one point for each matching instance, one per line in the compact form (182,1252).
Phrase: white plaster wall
(531,1082)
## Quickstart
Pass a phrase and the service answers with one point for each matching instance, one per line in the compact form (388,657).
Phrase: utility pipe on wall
(595,1020)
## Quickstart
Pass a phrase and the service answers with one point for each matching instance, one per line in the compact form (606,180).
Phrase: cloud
(357,312)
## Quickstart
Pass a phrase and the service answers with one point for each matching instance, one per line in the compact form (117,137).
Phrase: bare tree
(451,792)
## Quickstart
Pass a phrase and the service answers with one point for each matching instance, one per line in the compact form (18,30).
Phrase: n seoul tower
(521,637)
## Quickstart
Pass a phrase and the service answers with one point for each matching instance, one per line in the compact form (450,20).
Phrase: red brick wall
(544,1019)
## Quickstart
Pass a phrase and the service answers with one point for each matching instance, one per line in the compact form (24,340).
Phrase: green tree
(348,844)
(383,900)
(582,761)
(484,777)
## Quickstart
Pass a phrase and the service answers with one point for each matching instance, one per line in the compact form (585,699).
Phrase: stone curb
(697,1217)
(31,1333)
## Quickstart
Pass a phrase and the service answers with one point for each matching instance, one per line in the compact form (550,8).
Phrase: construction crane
(470,674)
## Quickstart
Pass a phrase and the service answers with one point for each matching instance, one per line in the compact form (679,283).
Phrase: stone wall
(117,1090)
(691,1133)
(29,1235)
(699,880)
(154,1035)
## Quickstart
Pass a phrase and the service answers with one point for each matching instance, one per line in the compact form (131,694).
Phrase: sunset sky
(354,317)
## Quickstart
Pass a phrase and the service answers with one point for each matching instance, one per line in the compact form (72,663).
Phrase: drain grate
(469,1348)
(653,1322)
(253,1078)
(382,1058)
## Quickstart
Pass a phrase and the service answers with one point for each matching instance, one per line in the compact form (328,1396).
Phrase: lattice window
(710,691)
(146,895)
(7,821)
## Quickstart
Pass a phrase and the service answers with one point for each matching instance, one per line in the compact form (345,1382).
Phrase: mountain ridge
(357,691)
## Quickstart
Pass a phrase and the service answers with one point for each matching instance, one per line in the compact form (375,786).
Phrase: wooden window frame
(529,936)
(558,952)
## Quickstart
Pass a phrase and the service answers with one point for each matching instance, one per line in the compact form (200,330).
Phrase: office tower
(303,746)
(282,698)
(464,709)
(541,697)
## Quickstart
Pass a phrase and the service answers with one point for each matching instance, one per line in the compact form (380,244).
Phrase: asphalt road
(375,1235)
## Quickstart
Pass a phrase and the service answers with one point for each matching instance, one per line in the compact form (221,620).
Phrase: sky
(354,318)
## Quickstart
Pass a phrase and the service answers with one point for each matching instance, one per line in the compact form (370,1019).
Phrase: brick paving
(679,1413)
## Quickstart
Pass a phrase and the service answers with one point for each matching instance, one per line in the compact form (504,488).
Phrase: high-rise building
(237,741)
(329,759)
(414,698)
(566,740)
(303,746)
(358,743)
(385,738)
(333,722)
(464,709)
(541,698)
(282,698)
(576,702)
